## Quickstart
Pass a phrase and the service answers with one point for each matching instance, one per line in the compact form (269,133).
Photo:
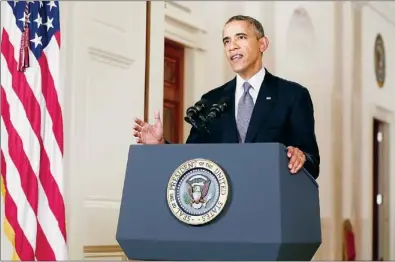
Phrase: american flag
(32,131)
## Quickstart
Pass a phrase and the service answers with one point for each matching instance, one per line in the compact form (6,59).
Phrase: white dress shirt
(255,81)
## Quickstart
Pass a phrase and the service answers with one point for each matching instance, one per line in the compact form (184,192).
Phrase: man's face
(242,47)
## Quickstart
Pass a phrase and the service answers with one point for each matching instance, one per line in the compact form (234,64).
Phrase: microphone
(194,114)
(217,110)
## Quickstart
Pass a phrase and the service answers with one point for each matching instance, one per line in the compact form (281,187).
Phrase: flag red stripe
(58,39)
(32,108)
(22,245)
(51,99)
(43,250)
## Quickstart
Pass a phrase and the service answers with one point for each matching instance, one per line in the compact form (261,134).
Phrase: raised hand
(147,133)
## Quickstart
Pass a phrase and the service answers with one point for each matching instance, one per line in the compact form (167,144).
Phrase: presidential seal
(197,191)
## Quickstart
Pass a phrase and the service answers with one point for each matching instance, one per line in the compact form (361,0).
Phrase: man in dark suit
(262,108)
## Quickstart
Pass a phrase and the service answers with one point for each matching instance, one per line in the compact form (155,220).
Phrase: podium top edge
(303,170)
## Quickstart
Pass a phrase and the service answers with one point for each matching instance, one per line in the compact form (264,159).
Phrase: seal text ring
(197,191)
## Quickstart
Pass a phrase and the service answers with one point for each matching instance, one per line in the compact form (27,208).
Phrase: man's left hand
(296,159)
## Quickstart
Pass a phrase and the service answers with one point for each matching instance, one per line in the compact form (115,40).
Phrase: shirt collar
(255,81)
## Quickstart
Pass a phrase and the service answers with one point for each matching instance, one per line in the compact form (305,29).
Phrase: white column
(156,59)
(347,53)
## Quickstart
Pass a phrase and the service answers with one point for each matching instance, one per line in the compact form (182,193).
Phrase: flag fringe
(25,44)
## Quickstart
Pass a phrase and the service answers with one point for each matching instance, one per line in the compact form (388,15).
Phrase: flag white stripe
(52,148)
(52,53)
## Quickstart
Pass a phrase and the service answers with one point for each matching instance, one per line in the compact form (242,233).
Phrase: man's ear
(263,44)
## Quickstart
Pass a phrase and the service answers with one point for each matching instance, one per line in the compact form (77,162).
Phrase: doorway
(380,185)
(173,92)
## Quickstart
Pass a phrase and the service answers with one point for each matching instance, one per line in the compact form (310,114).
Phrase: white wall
(305,53)
(104,45)
(379,103)
(326,52)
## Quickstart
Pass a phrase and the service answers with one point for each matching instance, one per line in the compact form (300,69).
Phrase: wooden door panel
(171,94)
(173,91)
(170,74)
(170,126)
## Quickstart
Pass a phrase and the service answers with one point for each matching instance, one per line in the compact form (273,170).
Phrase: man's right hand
(149,134)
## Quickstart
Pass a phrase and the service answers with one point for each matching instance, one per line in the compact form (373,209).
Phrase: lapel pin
(268,98)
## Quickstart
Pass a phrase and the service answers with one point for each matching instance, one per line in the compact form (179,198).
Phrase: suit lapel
(229,134)
(266,99)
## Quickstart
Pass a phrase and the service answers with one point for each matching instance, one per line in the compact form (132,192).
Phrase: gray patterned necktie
(244,112)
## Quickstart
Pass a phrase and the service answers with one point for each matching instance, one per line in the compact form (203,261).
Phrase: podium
(217,202)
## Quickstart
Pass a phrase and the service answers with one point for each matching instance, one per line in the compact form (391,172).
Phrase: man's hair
(255,23)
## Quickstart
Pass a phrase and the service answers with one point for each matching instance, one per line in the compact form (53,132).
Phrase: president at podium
(243,186)
(254,107)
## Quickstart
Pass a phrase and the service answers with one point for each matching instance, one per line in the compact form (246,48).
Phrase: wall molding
(183,26)
(184,15)
(110,58)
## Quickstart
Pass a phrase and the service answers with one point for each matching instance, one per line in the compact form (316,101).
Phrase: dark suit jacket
(287,118)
